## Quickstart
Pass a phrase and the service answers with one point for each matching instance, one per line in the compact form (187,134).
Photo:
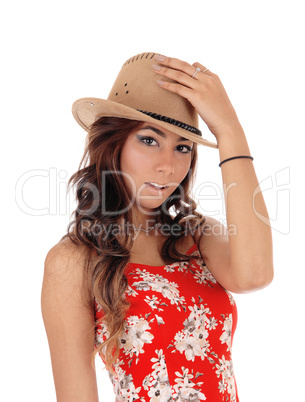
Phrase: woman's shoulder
(64,269)
(65,262)
(65,254)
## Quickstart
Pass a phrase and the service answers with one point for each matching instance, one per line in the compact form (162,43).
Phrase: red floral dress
(177,341)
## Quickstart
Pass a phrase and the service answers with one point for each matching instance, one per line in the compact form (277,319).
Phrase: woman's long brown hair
(102,203)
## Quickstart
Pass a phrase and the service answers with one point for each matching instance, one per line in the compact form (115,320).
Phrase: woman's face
(154,161)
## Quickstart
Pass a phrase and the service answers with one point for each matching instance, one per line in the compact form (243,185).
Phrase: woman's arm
(249,237)
(240,258)
(69,324)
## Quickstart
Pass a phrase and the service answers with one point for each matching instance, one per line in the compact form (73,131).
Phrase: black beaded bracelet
(236,157)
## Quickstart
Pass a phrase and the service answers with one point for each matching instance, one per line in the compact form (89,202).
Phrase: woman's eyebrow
(163,135)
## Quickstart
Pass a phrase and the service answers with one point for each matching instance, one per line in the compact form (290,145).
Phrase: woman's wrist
(232,142)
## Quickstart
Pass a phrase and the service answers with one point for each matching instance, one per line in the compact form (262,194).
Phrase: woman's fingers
(175,75)
(184,75)
(176,64)
(179,89)
(180,71)
(203,70)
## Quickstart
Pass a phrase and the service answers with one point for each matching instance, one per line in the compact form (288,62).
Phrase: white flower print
(204,275)
(132,392)
(159,366)
(183,266)
(227,382)
(158,283)
(135,336)
(232,301)
(159,320)
(153,302)
(133,319)
(145,382)
(188,344)
(160,392)
(131,292)
(180,266)
(200,277)
(123,385)
(222,387)
(199,314)
(158,383)
(168,289)
(102,333)
(185,388)
(192,340)
(212,323)
(226,335)
(171,267)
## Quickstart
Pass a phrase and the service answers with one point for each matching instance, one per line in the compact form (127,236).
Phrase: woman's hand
(204,91)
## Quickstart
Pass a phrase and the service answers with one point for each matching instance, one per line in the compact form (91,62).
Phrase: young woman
(142,278)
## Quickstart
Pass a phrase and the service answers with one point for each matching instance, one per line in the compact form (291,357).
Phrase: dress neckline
(190,251)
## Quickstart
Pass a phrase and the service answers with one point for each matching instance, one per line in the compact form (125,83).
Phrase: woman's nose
(165,162)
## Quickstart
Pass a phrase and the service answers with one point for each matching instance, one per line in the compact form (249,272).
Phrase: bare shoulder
(64,268)
(64,257)
(213,231)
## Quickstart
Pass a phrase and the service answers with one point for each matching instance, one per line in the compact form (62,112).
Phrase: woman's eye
(147,140)
(185,149)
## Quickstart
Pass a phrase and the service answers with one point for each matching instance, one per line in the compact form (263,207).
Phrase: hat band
(175,122)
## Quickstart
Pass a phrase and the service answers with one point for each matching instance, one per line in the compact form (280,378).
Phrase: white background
(56,52)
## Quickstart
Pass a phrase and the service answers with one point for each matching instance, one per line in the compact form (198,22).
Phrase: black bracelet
(236,157)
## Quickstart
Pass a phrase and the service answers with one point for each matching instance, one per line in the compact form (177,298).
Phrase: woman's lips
(156,189)
(157,185)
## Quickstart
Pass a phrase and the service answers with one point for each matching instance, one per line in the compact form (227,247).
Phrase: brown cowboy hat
(136,96)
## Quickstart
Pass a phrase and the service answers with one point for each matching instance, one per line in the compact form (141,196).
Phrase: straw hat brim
(87,110)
